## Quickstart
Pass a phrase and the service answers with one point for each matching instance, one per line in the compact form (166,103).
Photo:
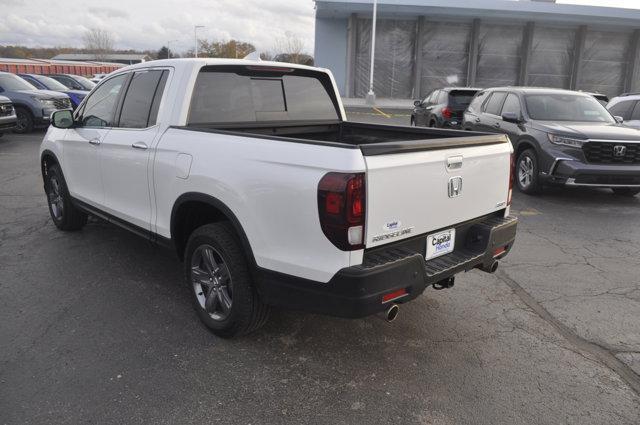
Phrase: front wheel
(625,191)
(25,121)
(527,173)
(63,213)
(218,276)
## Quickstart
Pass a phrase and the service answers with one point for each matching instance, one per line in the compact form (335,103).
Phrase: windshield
(566,107)
(10,82)
(84,82)
(50,83)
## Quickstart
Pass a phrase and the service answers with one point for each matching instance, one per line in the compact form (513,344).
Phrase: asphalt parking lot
(97,327)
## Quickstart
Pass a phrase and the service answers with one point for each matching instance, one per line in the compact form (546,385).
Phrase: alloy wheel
(212,282)
(525,172)
(55,198)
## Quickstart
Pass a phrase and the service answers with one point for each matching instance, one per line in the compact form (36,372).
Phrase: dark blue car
(43,82)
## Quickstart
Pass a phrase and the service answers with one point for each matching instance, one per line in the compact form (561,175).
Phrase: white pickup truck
(268,194)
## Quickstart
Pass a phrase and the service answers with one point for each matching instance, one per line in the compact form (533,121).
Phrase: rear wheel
(527,173)
(217,273)
(25,121)
(63,213)
(625,191)
(432,124)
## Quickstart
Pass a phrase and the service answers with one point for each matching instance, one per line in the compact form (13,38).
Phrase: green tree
(225,49)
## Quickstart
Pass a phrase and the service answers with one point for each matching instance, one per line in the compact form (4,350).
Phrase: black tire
(25,121)
(231,276)
(625,191)
(527,163)
(413,122)
(433,124)
(63,213)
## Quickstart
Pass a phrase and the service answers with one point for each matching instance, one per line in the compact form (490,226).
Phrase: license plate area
(440,243)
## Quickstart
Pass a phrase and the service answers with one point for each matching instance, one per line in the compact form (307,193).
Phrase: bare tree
(289,46)
(99,42)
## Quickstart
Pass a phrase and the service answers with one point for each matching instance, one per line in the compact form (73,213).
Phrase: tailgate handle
(454,162)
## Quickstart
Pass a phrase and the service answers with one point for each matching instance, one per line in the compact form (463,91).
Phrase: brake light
(511,178)
(447,112)
(341,207)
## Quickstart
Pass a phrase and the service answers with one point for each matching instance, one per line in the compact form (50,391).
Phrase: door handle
(95,142)
(497,125)
(477,119)
(140,145)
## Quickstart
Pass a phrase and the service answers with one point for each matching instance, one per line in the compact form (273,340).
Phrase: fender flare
(224,209)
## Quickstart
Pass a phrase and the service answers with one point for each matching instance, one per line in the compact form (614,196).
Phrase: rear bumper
(358,291)
(577,173)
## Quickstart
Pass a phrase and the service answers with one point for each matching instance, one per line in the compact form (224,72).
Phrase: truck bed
(371,139)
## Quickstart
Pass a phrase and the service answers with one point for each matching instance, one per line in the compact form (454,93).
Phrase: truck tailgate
(418,192)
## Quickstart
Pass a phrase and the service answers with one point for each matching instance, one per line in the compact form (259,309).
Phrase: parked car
(560,137)
(42,82)
(627,107)
(278,203)
(74,82)
(602,98)
(442,108)
(33,107)
(8,117)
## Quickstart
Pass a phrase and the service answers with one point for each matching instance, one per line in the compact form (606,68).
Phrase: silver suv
(8,117)
(627,107)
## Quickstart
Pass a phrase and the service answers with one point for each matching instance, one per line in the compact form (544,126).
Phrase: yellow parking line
(381,113)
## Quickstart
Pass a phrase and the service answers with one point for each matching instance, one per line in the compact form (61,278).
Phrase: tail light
(447,112)
(341,206)
(511,178)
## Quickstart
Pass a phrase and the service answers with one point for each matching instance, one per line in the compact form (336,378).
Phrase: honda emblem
(619,151)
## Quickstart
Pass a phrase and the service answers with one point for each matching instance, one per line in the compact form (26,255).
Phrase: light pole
(195,37)
(371,96)
(169,48)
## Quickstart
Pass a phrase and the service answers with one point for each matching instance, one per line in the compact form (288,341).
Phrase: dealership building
(422,45)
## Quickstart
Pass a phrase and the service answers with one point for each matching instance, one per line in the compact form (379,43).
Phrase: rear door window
(512,105)
(221,97)
(635,115)
(494,104)
(476,103)
(136,108)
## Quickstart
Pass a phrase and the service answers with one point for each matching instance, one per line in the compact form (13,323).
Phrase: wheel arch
(524,144)
(47,159)
(194,209)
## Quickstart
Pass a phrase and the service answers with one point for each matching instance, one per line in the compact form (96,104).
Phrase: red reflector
(333,203)
(447,112)
(394,295)
(499,251)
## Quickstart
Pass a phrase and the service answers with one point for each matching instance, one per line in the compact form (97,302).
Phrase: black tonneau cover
(371,139)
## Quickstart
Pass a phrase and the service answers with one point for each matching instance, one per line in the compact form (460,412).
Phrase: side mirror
(618,119)
(417,103)
(511,117)
(62,119)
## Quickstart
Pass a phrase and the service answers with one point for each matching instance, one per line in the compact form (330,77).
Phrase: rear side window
(622,109)
(476,103)
(242,95)
(494,104)
(138,101)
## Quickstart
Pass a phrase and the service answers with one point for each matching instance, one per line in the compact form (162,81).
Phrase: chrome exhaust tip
(491,268)
(392,313)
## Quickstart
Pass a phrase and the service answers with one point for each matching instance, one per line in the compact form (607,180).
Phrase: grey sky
(148,24)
